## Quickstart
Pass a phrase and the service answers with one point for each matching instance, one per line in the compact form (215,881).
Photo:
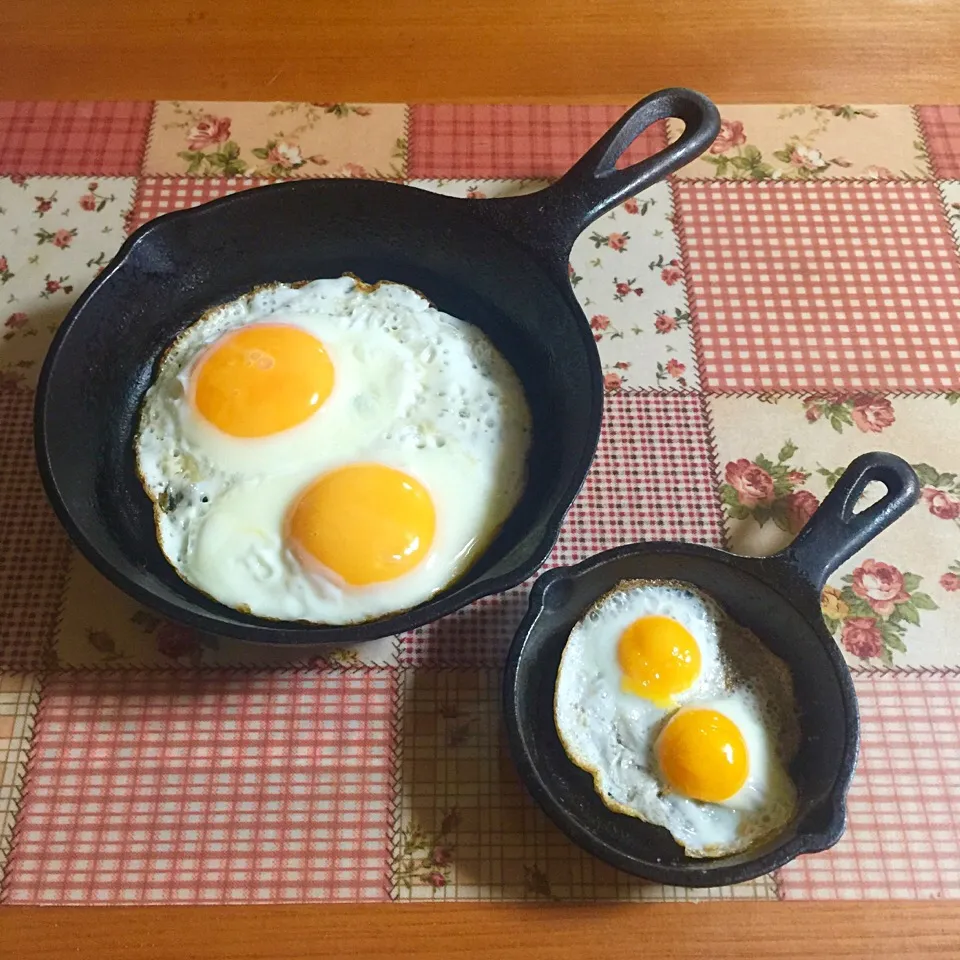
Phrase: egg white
(612,734)
(240,556)
(414,389)
(592,647)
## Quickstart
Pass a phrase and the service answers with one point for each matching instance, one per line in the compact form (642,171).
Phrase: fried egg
(329,451)
(683,718)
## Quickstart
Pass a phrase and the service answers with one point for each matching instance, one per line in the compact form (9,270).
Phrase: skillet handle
(835,533)
(596,183)
(549,220)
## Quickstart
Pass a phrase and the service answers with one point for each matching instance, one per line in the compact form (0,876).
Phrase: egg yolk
(262,379)
(702,754)
(366,522)
(658,658)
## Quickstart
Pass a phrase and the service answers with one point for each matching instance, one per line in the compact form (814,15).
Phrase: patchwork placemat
(786,302)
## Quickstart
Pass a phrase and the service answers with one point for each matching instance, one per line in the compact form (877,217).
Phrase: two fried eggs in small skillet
(683,718)
(330,452)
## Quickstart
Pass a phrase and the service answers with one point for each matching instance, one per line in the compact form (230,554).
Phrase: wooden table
(719,931)
(494,50)
(868,51)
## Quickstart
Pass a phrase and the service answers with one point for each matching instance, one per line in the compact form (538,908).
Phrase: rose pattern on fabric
(624,288)
(599,322)
(628,269)
(664,323)
(801,155)
(672,370)
(881,585)
(800,506)
(209,149)
(93,201)
(768,490)
(281,159)
(602,327)
(426,858)
(873,610)
(731,135)
(536,882)
(832,604)
(61,238)
(44,204)
(287,139)
(940,492)
(615,241)
(872,414)
(174,641)
(950,581)
(616,376)
(53,285)
(861,636)
(753,484)
(806,160)
(670,272)
(208,131)
(940,503)
(867,412)
(343,110)
(638,206)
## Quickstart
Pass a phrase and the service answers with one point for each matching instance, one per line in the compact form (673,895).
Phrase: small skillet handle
(549,221)
(835,533)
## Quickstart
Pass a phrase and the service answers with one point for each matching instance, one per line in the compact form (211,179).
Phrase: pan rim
(693,873)
(231,623)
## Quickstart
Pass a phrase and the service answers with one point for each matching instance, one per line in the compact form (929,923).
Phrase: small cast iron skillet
(778,598)
(500,264)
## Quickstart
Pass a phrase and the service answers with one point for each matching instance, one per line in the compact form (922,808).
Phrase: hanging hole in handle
(673,129)
(873,493)
(652,140)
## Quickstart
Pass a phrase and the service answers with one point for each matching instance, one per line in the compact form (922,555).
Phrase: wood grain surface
(869,51)
(720,931)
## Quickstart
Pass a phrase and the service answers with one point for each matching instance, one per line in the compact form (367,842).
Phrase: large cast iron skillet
(501,264)
(778,598)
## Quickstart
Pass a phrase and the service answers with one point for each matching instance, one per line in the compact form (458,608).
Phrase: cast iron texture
(500,264)
(778,598)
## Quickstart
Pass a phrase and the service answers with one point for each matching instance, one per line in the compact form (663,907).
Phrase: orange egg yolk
(658,658)
(366,522)
(262,379)
(702,754)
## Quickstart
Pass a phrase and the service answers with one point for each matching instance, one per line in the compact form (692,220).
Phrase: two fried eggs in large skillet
(330,452)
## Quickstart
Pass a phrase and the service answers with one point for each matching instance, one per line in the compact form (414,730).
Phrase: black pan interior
(827,712)
(176,268)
